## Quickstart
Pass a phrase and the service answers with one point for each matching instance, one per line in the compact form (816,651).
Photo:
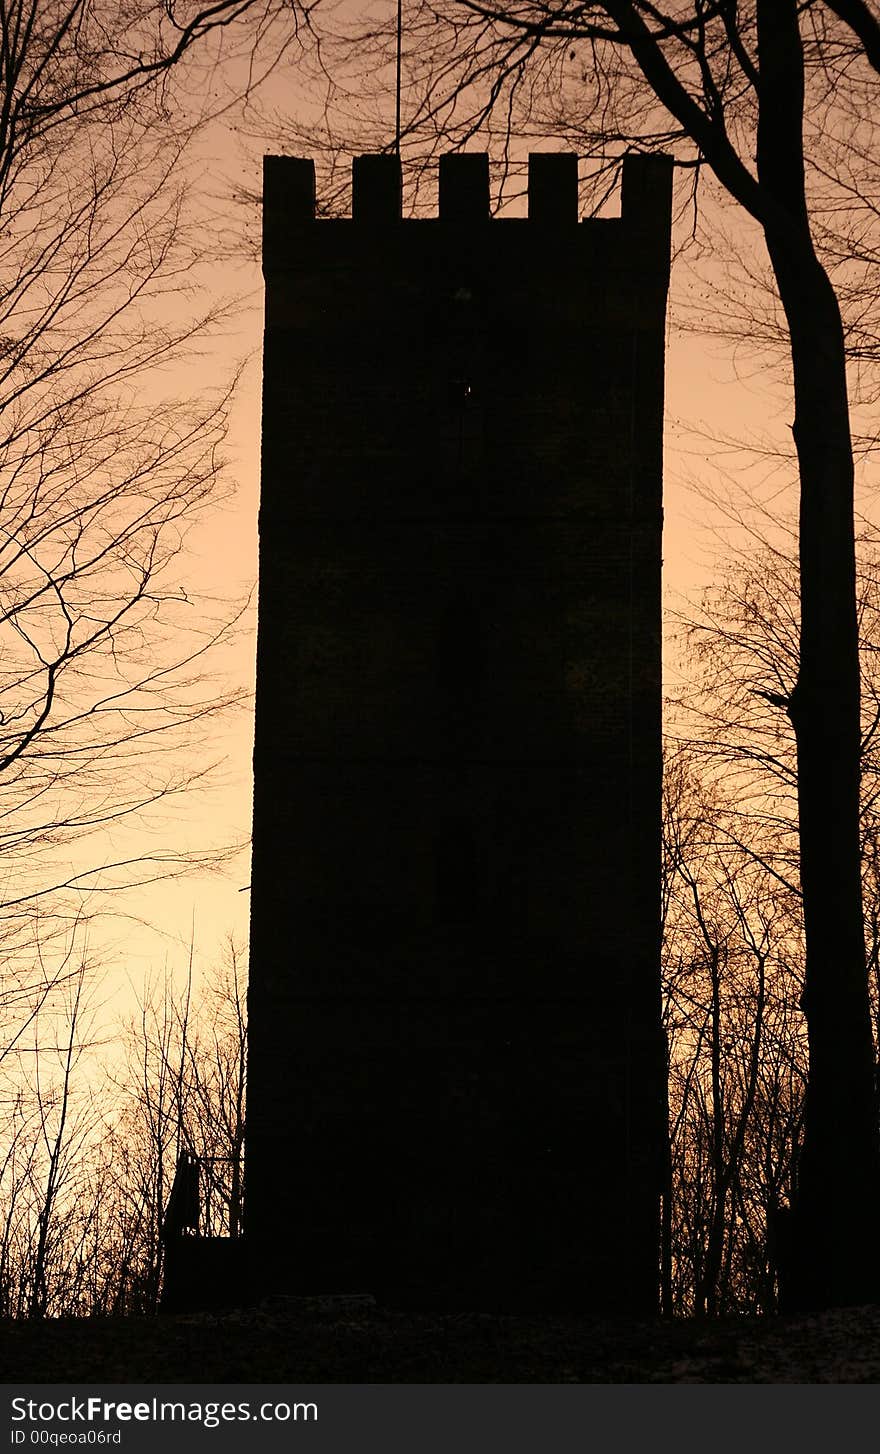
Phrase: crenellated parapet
(289,203)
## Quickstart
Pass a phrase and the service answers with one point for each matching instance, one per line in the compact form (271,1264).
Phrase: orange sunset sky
(713,394)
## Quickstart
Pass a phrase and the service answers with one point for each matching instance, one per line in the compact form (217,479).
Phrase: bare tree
(214,1090)
(184,1090)
(87,1167)
(738,798)
(732,954)
(104,466)
(48,1131)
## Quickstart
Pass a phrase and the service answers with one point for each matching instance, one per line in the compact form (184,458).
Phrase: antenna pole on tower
(399,50)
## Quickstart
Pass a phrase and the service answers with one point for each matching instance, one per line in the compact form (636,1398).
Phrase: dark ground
(351,1340)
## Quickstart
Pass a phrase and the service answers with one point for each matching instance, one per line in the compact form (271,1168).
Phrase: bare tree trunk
(40,1290)
(840,1174)
(837,1208)
(708,1294)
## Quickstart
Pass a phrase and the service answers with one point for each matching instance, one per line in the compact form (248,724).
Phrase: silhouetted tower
(457,1079)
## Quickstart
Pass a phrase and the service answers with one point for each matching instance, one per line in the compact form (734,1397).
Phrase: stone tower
(457,1080)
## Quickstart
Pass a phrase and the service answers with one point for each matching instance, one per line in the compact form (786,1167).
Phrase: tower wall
(456,1084)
